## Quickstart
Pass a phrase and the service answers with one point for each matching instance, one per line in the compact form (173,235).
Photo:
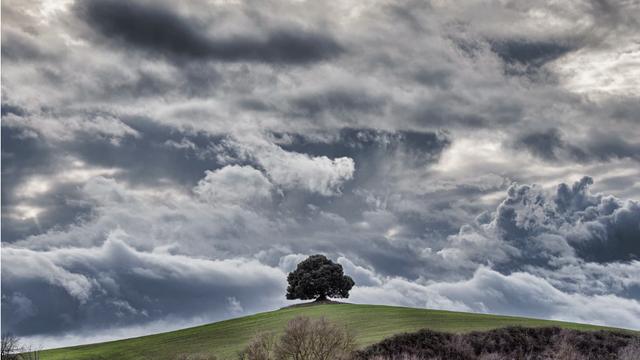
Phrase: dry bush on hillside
(564,349)
(630,352)
(309,339)
(29,355)
(507,343)
(261,347)
(11,349)
(303,339)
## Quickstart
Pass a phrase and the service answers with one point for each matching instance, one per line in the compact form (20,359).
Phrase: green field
(225,338)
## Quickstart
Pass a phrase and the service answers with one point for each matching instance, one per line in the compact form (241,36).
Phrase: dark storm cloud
(377,155)
(541,229)
(63,205)
(614,14)
(371,151)
(451,113)
(17,45)
(159,155)
(144,84)
(438,116)
(193,79)
(543,144)
(527,58)
(344,104)
(607,229)
(528,52)
(551,145)
(12,109)
(355,142)
(156,155)
(437,78)
(161,31)
(116,285)
(23,156)
(604,146)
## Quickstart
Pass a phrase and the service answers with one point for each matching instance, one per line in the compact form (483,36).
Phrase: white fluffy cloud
(234,184)
(317,174)
(293,170)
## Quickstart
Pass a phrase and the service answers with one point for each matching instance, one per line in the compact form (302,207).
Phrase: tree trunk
(321,298)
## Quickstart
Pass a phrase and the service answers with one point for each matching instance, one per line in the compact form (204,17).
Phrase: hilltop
(372,323)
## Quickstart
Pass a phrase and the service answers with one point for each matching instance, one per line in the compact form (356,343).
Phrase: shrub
(307,339)
(261,347)
(303,339)
(507,343)
(11,349)
(631,351)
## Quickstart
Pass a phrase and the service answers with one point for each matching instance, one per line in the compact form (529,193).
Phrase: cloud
(289,262)
(404,139)
(17,45)
(528,53)
(162,31)
(519,293)
(234,184)
(341,103)
(551,145)
(523,262)
(318,174)
(107,127)
(289,169)
(543,144)
(361,275)
(534,227)
(116,285)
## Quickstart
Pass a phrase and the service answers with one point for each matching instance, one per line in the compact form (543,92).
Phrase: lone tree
(318,278)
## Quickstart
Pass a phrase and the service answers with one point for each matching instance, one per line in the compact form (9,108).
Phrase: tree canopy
(318,278)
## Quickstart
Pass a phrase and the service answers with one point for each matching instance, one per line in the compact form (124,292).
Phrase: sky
(166,164)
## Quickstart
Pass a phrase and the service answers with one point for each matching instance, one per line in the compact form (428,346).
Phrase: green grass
(225,338)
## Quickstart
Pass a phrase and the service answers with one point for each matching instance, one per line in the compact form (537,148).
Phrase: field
(372,323)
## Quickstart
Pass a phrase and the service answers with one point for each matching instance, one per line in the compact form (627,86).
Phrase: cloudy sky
(166,164)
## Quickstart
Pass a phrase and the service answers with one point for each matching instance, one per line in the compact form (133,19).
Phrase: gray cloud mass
(158,30)
(163,163)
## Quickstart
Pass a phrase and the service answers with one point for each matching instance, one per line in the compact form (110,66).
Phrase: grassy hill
(372,323)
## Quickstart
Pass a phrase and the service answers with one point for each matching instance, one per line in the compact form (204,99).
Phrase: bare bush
(457,346)
(303,339)
(261,347)
(29,354)
(630,352)
(11,349)
(507,343)
(565,351)
(308,339)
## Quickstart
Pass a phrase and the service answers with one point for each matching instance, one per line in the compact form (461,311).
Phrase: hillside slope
(372,323)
